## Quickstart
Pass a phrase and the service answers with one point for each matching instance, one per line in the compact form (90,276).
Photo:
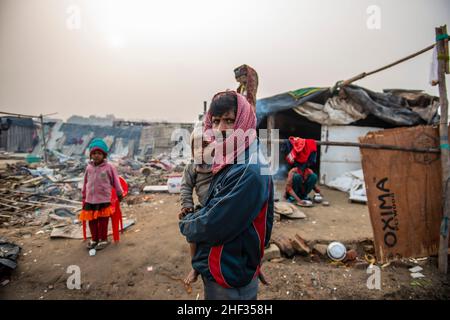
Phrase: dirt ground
(152,258)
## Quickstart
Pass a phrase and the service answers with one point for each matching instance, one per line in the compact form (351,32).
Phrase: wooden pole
(18,115)
(270,127)
(369,146)
(44,143)
(445,163)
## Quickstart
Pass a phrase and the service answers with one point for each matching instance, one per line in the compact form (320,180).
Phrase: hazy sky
(159,60)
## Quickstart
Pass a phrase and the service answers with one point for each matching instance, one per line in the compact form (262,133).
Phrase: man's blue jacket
(235,225)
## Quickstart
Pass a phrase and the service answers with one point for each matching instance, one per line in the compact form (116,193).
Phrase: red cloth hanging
(301,150)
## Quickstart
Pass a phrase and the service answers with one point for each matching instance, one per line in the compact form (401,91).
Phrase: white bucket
(174,184)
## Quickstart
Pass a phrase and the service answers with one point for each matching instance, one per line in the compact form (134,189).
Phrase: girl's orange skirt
(89,215)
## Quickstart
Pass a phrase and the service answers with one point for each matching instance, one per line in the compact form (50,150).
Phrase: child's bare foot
(191,277)
(263,279)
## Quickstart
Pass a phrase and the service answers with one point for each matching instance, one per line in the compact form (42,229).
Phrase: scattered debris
(369,249)
(350,256)
(401,264)
(417,275)
(300,246)
(8,255)
(92,252)
(416,269)
(321,249)
(370,258)
(361,265)
(33,194)
(273,252)
(174,183)
(418,260)
(288,210)
(284,244)
(156,189)
(353,183)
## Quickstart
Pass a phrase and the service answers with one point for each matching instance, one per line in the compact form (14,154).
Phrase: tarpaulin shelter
(343,115)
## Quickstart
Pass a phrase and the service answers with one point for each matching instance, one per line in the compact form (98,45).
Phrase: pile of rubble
(29,191)
(156,172)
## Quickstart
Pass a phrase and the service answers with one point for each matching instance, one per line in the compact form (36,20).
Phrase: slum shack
(403,189)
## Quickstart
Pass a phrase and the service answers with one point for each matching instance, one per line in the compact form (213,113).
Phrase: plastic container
(33,159)
(174,183)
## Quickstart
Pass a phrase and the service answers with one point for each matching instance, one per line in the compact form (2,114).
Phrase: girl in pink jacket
(100,179)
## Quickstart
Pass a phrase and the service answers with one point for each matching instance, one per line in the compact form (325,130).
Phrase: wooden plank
(45,196)
(445,160)
(403,192)
(8,205)
(33,181)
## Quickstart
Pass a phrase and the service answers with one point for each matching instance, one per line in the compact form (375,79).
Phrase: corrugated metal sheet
(18,138)
(73,139)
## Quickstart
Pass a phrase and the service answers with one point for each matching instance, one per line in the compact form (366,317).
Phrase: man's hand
(184,212)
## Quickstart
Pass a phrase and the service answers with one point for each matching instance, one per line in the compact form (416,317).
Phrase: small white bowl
(336,251)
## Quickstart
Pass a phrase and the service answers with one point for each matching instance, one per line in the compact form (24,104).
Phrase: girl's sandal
(91,244)
(101,245)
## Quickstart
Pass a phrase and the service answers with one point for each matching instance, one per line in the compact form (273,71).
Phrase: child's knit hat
(98,144)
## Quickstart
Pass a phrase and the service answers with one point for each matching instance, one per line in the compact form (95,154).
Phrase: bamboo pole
(365,74)
(445,161)
(18,115)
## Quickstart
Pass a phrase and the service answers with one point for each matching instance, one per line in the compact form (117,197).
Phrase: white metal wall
(335,161)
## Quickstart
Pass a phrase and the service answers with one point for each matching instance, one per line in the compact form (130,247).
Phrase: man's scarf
(243,135)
